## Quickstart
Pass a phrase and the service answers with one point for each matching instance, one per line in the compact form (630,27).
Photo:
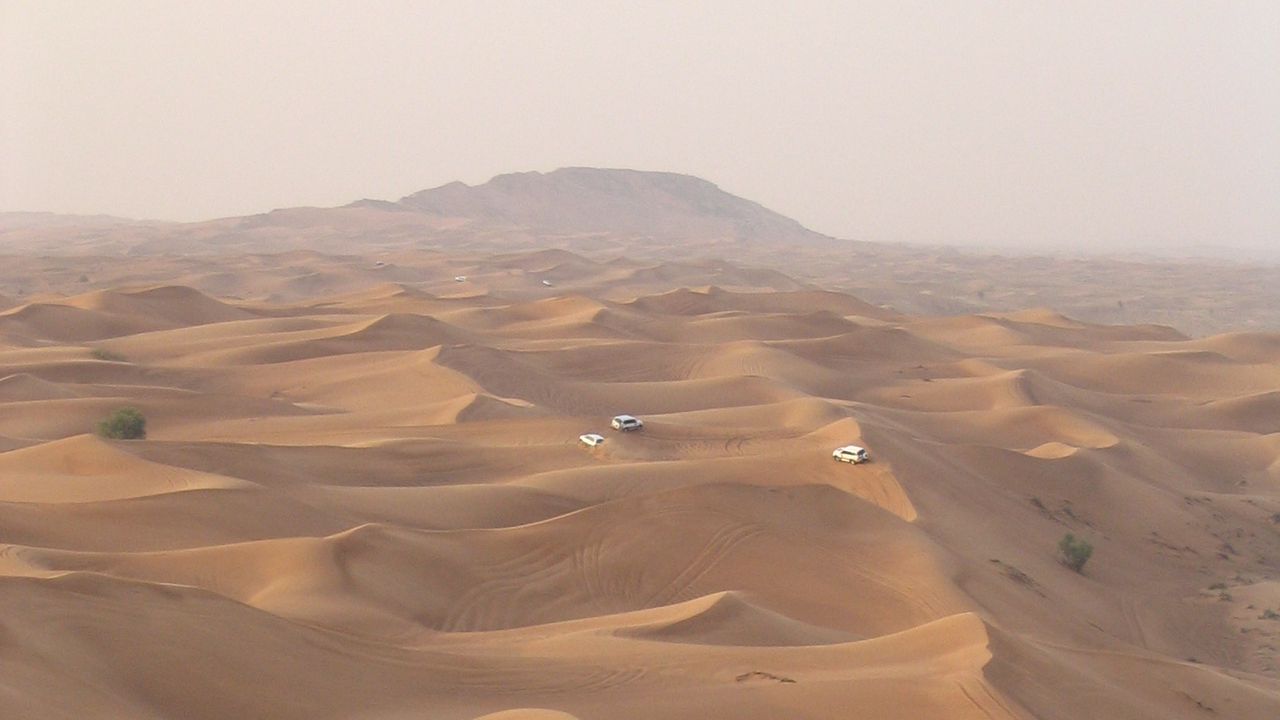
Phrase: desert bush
(1075,552)
(124,424)
(102,354)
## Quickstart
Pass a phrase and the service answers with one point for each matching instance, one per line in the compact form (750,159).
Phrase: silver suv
(627,422)
(850,454)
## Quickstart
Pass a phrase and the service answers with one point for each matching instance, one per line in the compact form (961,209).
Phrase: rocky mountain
(595,201)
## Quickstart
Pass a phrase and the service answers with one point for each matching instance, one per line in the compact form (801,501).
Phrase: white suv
(850,454)
(627,422)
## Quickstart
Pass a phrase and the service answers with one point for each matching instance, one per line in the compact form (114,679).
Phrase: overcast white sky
(1094,125)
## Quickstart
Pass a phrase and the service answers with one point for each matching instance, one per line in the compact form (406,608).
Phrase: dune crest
(528,714)
(727,618)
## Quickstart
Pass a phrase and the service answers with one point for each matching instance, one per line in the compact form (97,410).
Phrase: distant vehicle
(591,439)
(547,283)
(851,454)
(379,264)
(459,278)
(627,422)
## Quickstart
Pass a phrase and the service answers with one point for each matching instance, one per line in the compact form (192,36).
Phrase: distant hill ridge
(583,200)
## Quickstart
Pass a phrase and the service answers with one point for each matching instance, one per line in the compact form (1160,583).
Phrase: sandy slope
(365,499)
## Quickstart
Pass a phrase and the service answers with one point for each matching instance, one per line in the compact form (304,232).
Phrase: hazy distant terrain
(660,216)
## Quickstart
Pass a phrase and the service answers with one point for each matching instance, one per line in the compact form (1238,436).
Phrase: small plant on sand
(1075,552)
(124,424)
(102,354)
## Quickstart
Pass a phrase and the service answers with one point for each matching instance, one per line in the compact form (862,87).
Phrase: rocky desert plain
(362,495)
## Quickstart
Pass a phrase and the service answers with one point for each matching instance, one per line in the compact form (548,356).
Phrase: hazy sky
(1102,125)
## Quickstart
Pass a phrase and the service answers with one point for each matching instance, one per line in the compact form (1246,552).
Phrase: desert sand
(361,495)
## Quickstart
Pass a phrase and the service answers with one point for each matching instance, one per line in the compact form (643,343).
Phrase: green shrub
(103,354)
(1075,552)
(124,424)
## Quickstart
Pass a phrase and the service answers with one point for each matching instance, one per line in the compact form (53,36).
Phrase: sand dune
(713,299)
(87,469)
(380,581)
(1258,412)
(378,334)
(47,322)
(1020,428)
(863,344)
(995,390)
(362,493)
(181,306)
(1169,372)
(727,618)
(25,387)
(1244,347)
